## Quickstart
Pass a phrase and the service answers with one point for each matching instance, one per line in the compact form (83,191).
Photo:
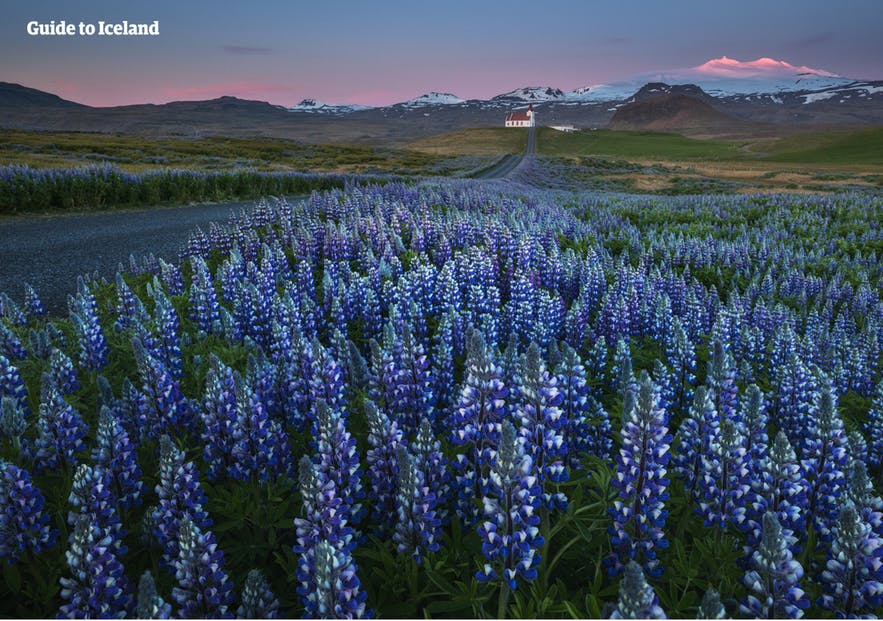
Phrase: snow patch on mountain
(323,107)
(534,93)
(433,99)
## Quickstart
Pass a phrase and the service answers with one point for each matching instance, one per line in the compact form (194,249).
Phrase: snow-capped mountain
(723,77)
(322,107)
(433,99)
(533,93)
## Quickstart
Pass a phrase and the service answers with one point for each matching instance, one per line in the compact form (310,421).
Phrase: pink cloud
(732,68)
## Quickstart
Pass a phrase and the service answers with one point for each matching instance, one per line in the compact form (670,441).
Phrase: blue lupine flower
(40,343)
(23,524)
(150,605)
(824,460)
(542,424)
(204,591)
(219,413)
(10,344)
(60,432)
(510,527)
(99,588)
(622,376)
(726,481)
(409,384)
(258,601)
(84,317)
(179,496)
(63,372)
(385,437)
(326,381)
(721,380)
(338,459)
(165,318)
(91,495)
(115,452)
(33,307)
(418,529)
(853,574)
(774,578)
(779,487)
(638,513)
(12,385)
(260,445)
(428,458)
(694,440)
(476,422)
(205,311)
(637,600)
(336,593)
(584,435)
(163,391)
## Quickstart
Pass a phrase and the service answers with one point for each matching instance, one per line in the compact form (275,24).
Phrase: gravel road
(510,162)
(49,252)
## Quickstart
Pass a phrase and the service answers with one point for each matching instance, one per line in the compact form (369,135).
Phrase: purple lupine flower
(10,344)
(260,445)
(23,524)
(11,312)
(721,380)
(129,309)
(326,379)
(179,496)
(12,385)
(170,408)
(428,458)
(322,520)
(509,530)
(258,601)
(774,578)
(84,317)
(150,605)
(583,436)
(205,311)
(99,588)
(338,459)
(638,513)
(795,397)
(60,432)
(171,277)
(824,460)
(778,486)
(410,384)
(542,425)
(694,440)
(91,495)
(63,372)
(219,412)
(443,365)
(873,428)
(336,593)
(622,376)
(204,591)
(33,306)
(637,600)
(725,483)
(418,529)
(165,319)
(853,574)
(115,452)
(40,343)
(475,423)
(385,437)
(755,421)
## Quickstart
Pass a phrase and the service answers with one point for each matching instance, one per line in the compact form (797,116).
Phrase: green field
(863,146)
(135,153)
(635,145)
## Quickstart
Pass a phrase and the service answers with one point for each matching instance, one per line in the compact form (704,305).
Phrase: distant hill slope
(675,112)
(16,95)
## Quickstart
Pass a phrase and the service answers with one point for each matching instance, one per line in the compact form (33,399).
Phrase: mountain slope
(16,95)
(677,112)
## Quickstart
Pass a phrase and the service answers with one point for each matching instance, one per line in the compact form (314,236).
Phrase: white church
(521,118)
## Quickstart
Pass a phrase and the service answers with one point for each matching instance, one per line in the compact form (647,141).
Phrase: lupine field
(459,399)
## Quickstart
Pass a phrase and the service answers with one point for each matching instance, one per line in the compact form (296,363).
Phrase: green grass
(635,145)
(864,146)
(136,153)
(477,141)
